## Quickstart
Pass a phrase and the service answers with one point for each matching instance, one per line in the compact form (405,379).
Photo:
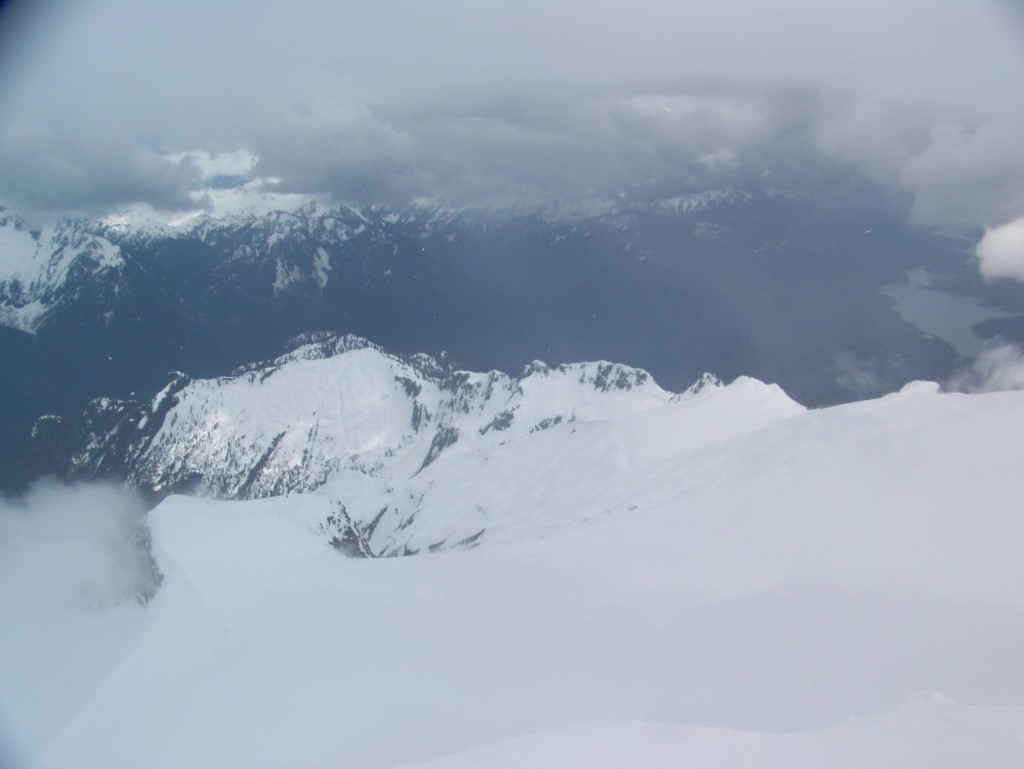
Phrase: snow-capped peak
(707,381)
(43,267)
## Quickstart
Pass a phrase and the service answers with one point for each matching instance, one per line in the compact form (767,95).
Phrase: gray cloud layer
(478,102)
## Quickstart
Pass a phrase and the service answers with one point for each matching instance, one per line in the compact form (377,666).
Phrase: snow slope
(718,579)
(933,732)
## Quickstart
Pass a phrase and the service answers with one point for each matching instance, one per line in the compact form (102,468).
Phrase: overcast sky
(476,102)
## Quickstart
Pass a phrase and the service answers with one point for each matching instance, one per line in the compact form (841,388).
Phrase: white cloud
(236,163)
(719,160)
(1001,251)
(998,368)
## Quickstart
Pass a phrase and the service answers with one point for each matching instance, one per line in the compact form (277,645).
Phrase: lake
(946,316)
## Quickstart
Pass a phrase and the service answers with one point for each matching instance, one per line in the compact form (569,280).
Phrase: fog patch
(1000,367)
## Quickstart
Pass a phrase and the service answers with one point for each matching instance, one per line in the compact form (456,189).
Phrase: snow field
(722,580)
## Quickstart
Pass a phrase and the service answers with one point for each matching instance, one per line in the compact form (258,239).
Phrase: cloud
(860,377)
(475,103)
(74,571)
(81,545)
(722,158)
(238,163)
(998,368)
(61,171)
(1001,251)
(967,176)
(869,375)
(530,151)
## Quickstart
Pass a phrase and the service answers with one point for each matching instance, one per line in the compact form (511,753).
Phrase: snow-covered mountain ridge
(42,268)
(337,408)
(790,580)
(238,206)
(408,454)
(299,237)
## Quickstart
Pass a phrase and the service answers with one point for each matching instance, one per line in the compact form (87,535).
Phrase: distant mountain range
(780,286)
